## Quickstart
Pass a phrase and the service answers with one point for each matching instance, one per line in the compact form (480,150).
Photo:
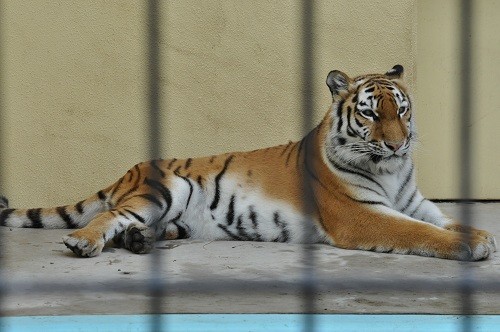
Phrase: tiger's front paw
(480,235)
(82,246)
(490,238)
(474,248)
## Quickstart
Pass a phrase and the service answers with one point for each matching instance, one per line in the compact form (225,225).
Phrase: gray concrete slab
(35,256)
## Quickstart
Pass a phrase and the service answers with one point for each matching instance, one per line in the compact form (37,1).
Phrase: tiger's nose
(394,146)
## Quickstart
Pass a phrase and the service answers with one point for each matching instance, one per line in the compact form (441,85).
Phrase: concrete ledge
(34,256)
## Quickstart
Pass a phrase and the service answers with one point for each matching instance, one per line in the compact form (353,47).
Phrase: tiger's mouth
(376,158)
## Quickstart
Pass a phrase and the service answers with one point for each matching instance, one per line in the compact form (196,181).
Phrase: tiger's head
(372,123)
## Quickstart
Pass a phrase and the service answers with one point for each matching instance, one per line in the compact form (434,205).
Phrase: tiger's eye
(368,113)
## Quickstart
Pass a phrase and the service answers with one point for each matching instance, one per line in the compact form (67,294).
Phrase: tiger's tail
(69,216)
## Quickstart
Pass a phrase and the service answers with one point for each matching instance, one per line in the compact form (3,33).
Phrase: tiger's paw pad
(139,239)
(83,247)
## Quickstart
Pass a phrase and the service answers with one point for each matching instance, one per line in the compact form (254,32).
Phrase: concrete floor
(33,256)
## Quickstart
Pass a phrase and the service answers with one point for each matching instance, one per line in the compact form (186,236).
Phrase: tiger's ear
(396,72)
(337,81)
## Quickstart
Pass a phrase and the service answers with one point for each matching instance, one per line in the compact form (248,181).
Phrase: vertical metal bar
(154,79)
(2,139)
(156,292)
(307,43)
(465,140)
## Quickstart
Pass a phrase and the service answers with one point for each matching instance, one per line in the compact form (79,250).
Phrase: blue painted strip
(248,322)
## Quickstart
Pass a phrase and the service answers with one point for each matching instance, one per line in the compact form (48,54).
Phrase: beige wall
(438,73)
(73,81)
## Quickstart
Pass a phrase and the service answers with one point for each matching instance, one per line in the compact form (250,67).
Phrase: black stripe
(242,232)
(216,199)
(171,163)
(350,130)
(63,213)
(188,163)
(190,190)
(101,195)
(79,207)
(417,208)
(35,216)
(154,164)
(290,153)
(4,215)
(286,148)
(129,172)
(123,215)
(359,124)
(199,180)
(410,200)
(284,236)
(304,143)
(345,170)
(230,211)
(367,188)
(253,216)
(164,191)
(138,170)
(152,198)
(190,193)
(231,234)
(176,171)
(126,194)
(255,222)
(182,233)
(339,115)
(135,215)
(175,219)
(112,193)
(362,201)
(403,185)
(349,112)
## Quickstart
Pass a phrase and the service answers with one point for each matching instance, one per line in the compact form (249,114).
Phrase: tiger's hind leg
(156,202)
(129,220)
(90,240)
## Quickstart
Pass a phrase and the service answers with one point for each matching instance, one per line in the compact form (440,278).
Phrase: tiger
(349,183)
